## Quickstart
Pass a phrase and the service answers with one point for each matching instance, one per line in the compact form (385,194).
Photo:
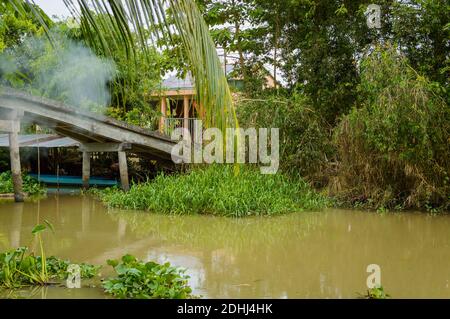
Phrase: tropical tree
(13,27)
(135,25)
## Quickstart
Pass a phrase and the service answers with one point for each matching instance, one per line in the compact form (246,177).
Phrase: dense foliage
(30,185)
(14,27)
(318,44)
(394,148)
(145,280)
(305,147)
(217,190)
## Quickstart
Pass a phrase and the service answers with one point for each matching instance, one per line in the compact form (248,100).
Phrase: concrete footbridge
(94,132)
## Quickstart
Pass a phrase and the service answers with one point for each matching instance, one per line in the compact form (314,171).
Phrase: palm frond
(126,18)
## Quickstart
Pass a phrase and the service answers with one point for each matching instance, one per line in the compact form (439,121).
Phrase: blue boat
(74,180)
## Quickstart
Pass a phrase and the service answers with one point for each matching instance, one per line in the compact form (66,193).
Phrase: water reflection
(323,254)
(16,225)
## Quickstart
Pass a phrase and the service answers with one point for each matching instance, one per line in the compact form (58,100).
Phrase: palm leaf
(141,17)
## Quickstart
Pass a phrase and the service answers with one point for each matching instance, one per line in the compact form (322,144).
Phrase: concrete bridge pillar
(120,148)
(11,125)
(16,171)
(123,168)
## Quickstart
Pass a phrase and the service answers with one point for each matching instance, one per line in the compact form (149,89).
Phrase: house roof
(176,86)
(173,82)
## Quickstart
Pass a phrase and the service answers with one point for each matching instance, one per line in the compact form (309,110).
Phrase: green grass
(30,185)
(217,190)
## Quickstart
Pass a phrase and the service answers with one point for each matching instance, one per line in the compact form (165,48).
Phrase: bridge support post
(14,154)
(86,169)
(123,168)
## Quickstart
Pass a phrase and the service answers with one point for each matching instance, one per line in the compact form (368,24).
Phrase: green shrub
(30,185)
(305,144)
(139,280)
(394,149)
(217,190)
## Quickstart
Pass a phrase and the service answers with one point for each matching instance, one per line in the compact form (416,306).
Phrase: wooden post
(164,112)
(186,111)
(123,168)
(86,169)
(16,171)
(202,111)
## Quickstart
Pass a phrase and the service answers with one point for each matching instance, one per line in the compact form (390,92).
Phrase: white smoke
(64,70)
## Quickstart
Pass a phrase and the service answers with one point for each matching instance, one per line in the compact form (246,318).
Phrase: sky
(53,7)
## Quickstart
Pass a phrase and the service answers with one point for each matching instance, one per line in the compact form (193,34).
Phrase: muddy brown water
(302,255)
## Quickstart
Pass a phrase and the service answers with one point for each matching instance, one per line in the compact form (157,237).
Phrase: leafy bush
(394,150)
(217,190)
(305,145)
(137,279)
(30,185)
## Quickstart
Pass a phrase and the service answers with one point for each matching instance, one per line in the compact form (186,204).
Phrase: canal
(302,255)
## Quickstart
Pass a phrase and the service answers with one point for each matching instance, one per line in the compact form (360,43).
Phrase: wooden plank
(186,112)
(163,112)
(105,147)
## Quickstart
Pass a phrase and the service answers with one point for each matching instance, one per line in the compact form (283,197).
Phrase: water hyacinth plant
(139,280)
(30,185)
(20,267)
(217,190)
